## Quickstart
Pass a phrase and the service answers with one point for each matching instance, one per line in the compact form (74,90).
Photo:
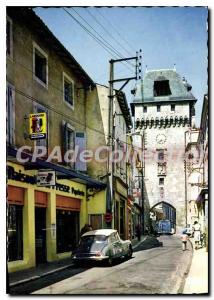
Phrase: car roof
(105,232)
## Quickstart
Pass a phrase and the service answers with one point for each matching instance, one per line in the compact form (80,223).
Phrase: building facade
(163,109)
(197,172)
(117,174)
(47,91)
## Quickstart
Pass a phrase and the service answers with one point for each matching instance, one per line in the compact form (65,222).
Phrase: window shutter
(8,37)
(80,140)
(68,141)
(10,114)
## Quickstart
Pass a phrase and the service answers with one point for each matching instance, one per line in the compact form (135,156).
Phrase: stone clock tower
(163,109)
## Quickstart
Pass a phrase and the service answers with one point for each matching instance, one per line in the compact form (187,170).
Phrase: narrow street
(158,266)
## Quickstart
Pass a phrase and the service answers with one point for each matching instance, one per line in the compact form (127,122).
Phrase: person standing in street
(184,239)
(197,234)
(138,231)
(85,229)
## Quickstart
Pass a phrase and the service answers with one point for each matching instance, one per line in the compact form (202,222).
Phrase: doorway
(40,234)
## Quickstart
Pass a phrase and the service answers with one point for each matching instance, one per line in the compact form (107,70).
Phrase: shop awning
(61,171)
(202,196)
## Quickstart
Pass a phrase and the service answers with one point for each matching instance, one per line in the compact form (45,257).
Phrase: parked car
(102,245)
(189,230)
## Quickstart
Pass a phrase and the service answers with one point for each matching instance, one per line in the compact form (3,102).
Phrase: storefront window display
(67,230)
(15,232)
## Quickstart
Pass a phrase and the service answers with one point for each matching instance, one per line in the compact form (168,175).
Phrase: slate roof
(179,92)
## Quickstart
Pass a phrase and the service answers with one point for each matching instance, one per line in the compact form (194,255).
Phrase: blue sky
(167,36)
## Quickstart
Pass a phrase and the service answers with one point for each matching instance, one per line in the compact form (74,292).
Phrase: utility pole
(111,125)
(110,140)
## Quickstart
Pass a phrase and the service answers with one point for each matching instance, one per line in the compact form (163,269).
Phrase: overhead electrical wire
(103,73)
(112,37)
(33,99)
(52,108)
(91,34)
(115,29)
(110,49)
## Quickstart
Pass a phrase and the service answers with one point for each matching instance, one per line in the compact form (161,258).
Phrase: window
(161,181)
(9,38)
(172,107)
(68,90)
(160,155)
(158,108)
(10,102)
(120,162)
(161,168)
(80,142)
(40,65)
(145,109)
(96,221)
(113,238)
(68,140)
(161,189)
(161,88)
(15,232)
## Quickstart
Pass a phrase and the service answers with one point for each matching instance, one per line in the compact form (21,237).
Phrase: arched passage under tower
(163,211)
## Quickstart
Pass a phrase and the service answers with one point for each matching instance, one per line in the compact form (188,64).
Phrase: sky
(167,36)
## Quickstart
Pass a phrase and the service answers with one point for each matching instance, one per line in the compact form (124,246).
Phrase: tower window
(161,88)
(161,181)
(172,107)
(145,109)
(160,155)
(158,108)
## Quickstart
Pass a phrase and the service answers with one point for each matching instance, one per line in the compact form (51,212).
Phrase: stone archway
(163,211)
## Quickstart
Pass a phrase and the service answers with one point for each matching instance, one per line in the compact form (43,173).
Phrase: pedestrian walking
(196,234)
(184,239)
(147,230)
(138,231)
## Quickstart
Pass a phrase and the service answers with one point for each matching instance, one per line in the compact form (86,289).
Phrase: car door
(114,245)
(120,245)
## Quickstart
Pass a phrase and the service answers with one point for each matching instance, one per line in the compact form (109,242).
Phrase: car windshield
(90,239)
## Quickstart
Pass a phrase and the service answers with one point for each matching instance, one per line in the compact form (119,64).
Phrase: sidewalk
(197,278)
(49,268)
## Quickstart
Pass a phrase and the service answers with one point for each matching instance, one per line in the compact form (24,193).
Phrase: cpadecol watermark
(102,154)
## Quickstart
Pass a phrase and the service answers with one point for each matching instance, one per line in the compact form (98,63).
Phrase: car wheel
(130,251)
(110,261)
(76,264)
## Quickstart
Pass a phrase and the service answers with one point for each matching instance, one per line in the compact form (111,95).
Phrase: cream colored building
(164,110)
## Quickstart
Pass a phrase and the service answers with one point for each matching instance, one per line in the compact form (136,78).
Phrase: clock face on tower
(161,138)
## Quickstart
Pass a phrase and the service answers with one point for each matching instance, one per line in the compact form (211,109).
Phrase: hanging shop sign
(46,178)
(136,193)
(38,126)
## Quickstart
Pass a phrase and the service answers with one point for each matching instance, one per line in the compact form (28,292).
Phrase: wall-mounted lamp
(106,175)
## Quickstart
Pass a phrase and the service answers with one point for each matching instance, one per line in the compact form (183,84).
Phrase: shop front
(121,210)
(202,207)
(130,213)
(43,223)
